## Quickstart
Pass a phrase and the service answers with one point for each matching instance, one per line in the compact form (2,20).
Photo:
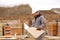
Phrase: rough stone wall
(18,12)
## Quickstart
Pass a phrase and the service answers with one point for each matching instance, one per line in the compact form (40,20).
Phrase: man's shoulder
(41,16)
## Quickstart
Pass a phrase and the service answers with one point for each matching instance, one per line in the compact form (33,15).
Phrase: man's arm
(43,22)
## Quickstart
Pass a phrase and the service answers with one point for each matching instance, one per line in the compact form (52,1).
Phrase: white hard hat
(33,11)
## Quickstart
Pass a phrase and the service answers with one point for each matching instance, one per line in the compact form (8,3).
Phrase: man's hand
(38,28)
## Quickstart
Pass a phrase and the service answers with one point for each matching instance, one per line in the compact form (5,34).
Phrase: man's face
(35,14)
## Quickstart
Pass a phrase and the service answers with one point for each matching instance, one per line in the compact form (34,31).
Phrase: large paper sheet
(32,30)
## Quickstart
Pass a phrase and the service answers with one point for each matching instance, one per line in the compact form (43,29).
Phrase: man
(39,22)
